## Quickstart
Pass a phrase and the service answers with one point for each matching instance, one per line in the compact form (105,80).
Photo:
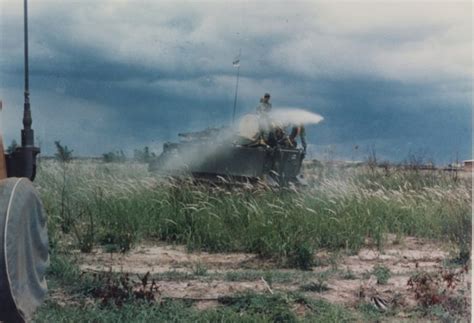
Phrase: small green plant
(334,259)
(86,241)
(268,277)
(348,274)
(382,274)
(246,275)
(174,275)
(199,269)
(276,307)
(366,274)
(114,241)
(63,269)
(318,286)
(370,312)
(301,256)
(83,229)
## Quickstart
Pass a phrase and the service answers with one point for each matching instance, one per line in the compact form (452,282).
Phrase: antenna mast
(27,135)
(22,161)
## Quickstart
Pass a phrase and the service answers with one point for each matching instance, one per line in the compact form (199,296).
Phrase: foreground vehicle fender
(23,250)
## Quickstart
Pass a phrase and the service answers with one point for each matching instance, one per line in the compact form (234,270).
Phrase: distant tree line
(65,154)
(143,155)
(114,157)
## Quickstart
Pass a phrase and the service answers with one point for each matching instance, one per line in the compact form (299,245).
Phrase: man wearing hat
(264,121)
(265,105)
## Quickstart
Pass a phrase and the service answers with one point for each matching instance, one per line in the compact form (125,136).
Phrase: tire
(23,250)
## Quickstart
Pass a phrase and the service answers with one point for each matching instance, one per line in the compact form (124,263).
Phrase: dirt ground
(347,279)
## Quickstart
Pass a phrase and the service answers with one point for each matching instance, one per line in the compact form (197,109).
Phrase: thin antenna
(22,161)
(25,19)
(236,62)
(27,135)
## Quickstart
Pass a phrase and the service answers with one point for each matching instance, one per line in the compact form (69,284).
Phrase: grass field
(298,243)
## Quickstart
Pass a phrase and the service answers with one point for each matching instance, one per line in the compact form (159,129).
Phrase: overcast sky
(109,75)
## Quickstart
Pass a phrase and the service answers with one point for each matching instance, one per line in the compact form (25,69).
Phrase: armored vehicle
(232,154)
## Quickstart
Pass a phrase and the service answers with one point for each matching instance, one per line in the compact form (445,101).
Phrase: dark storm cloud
(120,73)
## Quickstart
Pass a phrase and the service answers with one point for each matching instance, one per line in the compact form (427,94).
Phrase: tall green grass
(122,204)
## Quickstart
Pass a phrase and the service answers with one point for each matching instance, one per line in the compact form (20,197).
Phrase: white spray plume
(295,116)
(196,153)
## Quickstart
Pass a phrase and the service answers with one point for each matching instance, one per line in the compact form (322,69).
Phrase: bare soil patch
(162,258)
(349,281)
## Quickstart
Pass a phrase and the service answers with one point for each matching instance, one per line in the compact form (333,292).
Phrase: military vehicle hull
(202,160)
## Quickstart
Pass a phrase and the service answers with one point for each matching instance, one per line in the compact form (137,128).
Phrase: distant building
(467,165)
(453,167)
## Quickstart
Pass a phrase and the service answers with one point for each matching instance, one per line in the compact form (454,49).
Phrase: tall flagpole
(237,61)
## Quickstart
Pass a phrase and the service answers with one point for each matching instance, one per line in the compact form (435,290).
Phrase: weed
(370,312)
(63,269)
(114,241)
(322,311)
(276,306)
(439,312)
(435,291)
(334,260)
(366,274)
(113,289)
(348,274)
(173,276)
(301,256)
(269,276)
(382,274)
(84,231)
(200,269)
(246,275)
(235,276)
(318,287)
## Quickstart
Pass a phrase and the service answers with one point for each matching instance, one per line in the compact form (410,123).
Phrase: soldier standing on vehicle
(264,119)
(298,130)
(265,106)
